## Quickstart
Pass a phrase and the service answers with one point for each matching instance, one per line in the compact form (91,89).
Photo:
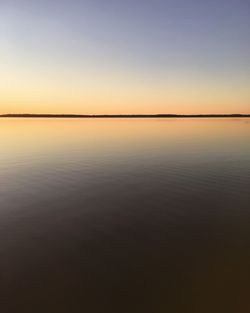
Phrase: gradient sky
(124,56)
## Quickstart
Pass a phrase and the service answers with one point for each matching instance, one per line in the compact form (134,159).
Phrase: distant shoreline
(125,116)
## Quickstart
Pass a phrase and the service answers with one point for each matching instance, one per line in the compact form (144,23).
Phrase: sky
(124,56)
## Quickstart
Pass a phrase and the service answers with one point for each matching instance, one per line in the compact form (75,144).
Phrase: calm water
(125,216)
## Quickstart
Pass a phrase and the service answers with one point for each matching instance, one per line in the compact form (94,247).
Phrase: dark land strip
(125,116)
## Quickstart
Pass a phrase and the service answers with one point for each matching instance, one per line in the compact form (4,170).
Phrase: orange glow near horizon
(122,97)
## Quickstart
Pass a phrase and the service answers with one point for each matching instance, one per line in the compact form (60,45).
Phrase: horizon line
(161,115)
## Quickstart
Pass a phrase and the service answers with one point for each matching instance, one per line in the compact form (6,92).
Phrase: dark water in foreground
(125,216)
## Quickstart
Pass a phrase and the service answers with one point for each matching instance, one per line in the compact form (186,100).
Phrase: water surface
(125,216)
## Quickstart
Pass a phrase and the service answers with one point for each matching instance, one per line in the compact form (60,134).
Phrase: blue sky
(125,56)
